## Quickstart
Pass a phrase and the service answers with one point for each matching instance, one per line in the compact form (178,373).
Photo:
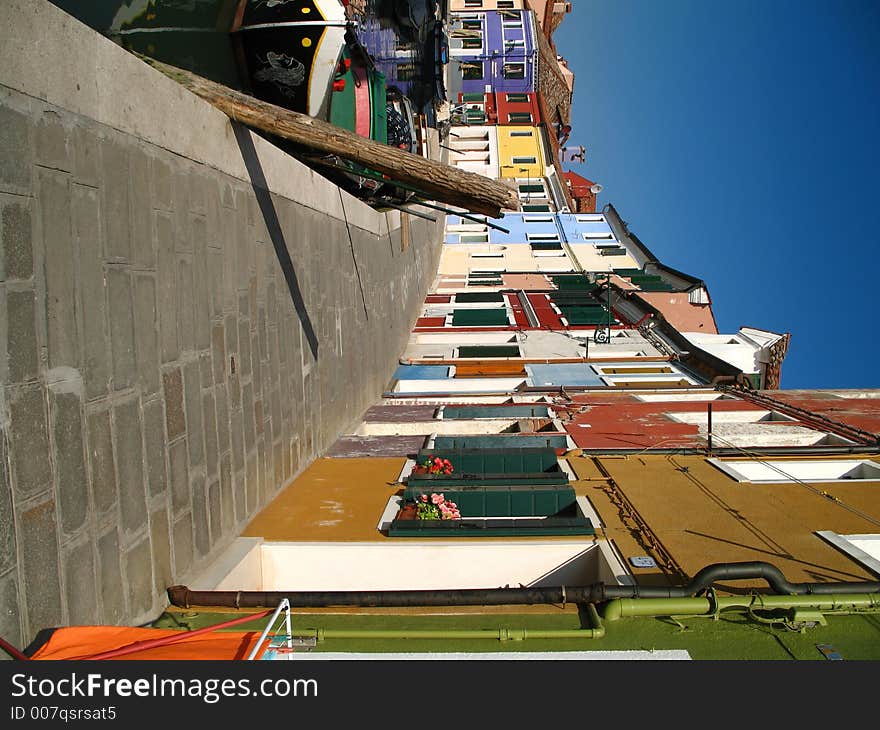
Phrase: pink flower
(447,462)
(437,498)
(452,505)
(424,498)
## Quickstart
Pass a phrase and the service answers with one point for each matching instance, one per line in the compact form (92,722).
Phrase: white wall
(423,565)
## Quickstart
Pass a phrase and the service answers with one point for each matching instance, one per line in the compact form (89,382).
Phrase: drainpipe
(596,631)
(597,592)
(625,607)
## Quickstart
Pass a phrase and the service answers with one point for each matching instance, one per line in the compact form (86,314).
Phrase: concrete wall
(188,318)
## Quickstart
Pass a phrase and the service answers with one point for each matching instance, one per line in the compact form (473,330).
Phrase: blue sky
(741,143)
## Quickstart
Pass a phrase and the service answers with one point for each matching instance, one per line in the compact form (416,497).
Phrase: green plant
(436,465)
(436,507)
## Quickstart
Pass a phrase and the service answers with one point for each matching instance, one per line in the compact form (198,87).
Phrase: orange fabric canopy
(81,642)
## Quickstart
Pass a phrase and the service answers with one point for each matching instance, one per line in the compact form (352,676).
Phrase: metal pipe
(449,211)
(709,425)
(282,606)
(12,651)
(596,630)
(626,607)
(417,214)
(597,592)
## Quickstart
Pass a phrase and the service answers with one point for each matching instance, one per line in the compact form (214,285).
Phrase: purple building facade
(492,49)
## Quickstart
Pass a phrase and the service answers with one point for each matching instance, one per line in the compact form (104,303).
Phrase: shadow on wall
(273,226)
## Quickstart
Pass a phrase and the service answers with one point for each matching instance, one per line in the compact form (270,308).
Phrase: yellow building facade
(520,152)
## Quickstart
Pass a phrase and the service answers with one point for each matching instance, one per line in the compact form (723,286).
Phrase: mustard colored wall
(701,516)
(511,146)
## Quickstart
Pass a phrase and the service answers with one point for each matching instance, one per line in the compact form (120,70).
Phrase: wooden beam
(446,183)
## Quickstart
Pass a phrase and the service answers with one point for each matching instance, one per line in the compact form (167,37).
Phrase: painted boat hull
(291,66)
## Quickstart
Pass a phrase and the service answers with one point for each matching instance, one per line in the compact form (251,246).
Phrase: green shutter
(488,351)
(479,318)
(517,411)
(513,501)
(576,281)
(502,441)
(586,315)
(479,296)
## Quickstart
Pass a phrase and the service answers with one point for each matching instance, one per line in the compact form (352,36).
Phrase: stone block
(16,238)
(209,417)
(166,282)
(130,467)
(160,540)
(172,386)
(86,157)
(263,487)
(163,197)
(40,567)
(80,580)
(138,562)
(154,441)
(10,610)
(53,142)
(218,353)
(257,365)
(179,473)
(215,511)
(236,434)
(55,216)
(201,526)
(201,298)
(259,418)
(183,545)
(70,465)
(182,216)
(21,336)
(92,292)
(244,347)
(263,332)
(29,441)
(239,496)
(143,252)
(247,409)
(278,462)
(253,484)
(215,282)
(227,501)
(7,518)
(146,333)
(16,161)
(222,419)
(201,188)
(113,593)
(185,315)
(115,174)
(121,327)
(192,389)
(102,465)
(205,372)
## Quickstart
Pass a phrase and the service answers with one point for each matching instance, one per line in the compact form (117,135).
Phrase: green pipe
(596,631)
(620,607)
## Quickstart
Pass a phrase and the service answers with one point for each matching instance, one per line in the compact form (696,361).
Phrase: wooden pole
(446,183)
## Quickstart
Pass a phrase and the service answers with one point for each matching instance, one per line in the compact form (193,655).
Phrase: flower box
(516,527)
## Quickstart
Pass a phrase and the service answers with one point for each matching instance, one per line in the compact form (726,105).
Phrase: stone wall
(188,318)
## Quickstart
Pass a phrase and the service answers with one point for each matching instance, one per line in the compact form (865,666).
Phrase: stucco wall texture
(188,318)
